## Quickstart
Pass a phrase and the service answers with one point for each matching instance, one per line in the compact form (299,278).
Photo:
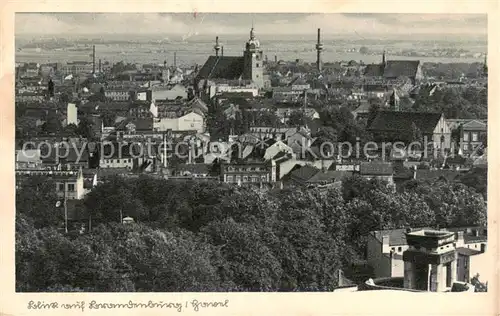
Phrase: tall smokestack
(222,51)
(217,47)
(319,48)
(93,59)
(275,59)
(100,69)
(175,59)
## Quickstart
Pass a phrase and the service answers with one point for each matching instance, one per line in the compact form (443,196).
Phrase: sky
(265,24)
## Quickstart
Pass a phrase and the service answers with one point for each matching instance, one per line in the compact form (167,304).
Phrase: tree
(297,118)
(108,118)
(52,125)
(85,129)
(37,200)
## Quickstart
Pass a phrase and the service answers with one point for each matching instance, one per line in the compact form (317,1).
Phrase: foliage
(203,236)
(469,103)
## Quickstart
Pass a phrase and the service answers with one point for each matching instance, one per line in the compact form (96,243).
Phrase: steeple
(383,58)
(217,46)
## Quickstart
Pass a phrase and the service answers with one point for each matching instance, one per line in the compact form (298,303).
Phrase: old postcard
(230,160)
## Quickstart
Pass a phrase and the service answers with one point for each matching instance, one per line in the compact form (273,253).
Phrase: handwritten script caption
(95,305)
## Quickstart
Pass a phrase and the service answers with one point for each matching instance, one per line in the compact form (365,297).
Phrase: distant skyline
(190,24)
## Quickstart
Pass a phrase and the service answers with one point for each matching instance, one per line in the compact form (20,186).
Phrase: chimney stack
(319,48)
(385,244)
(100,69)
(175,59)
(222,51)
(93,59)
(275,59)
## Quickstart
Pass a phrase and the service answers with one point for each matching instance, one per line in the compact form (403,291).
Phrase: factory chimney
(319,48)
(93,59)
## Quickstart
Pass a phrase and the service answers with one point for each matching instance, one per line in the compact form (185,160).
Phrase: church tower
(253,61)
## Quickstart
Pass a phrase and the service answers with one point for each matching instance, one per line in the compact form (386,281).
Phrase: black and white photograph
(251,152)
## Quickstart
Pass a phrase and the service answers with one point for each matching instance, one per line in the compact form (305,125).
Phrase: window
(257,65)
(474,137)
(393,249)
(466,146)
(399,249)
(245,179)
(229,179)
(466,136)
(71,187)
(60,186)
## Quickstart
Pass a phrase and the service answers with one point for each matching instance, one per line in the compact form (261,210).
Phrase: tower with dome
(253,61)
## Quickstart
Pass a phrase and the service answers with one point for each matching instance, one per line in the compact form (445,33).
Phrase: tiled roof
(475,125)
(66,154)
(305,173)
(402,121)
(375,87)
(397,237)
(141,124)
(223,67)
(28,155)
(449,175)
(329,176)
(398,68)
(196,168)
(298,81)
(374,70)
(467,251)
(375,168)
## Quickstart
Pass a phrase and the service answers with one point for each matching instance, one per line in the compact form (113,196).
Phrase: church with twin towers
(246,69)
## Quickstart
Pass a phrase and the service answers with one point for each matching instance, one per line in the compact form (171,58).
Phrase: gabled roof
(398,68)
(402,121)
(197,103)
(475,125)
(222,67)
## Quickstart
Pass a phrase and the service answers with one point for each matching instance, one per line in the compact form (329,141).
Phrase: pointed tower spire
(383,58)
